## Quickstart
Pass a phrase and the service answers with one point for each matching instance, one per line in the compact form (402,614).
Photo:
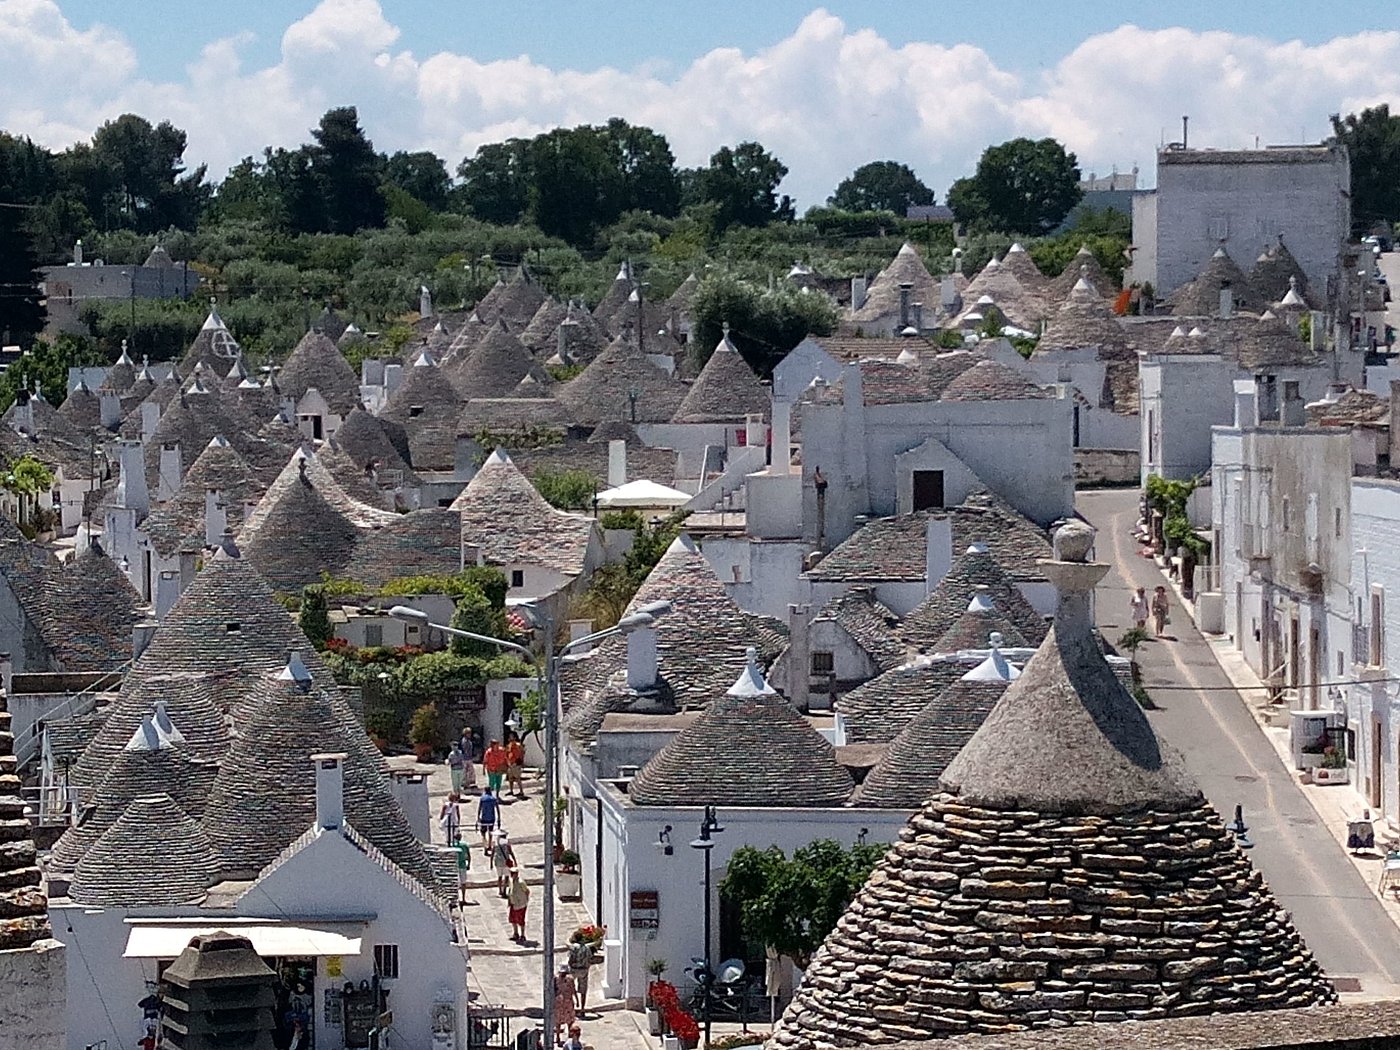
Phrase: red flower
(683,1026)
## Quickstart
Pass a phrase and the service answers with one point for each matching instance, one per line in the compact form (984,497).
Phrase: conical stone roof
(473,330)
(178,524)
(989,380)
(365,439)
(727,390)
(907,776)
(492,368)
(616,296)
(1084,321)
(712,760)
(1068,871)
(1086,265)
(316,362)
(82,408)
(24,911)
(877,711)
(932,618)
(1275,272)
(540,336)
(427,405)
(153,855)
(604,390)
(265,793)
(516,303)
(1022,305)
(1200,296)
(1018,262)
(882,297)
(974,629)
(214,347)
(121,377)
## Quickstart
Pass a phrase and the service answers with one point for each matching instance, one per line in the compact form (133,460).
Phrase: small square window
(517,577)
(823,662)
(386,961)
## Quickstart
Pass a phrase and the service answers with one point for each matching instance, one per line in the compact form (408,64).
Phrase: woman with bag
(1161,609)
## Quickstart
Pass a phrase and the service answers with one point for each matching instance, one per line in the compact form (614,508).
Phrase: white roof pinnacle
(751,681)
(995,668)
(164,726)
(148,738)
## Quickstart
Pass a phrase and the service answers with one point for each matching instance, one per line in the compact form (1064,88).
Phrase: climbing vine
(1169,497)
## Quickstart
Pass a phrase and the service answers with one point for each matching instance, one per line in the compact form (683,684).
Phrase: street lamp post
(710,825)
(547,681)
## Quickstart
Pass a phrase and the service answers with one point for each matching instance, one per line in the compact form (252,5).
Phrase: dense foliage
(1372,139)
(881,185)
(1024,186)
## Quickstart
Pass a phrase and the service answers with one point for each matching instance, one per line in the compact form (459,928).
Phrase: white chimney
(142,634)
(948,294)
(904,291)
(393,376)
(753,431)
(1246,404)
(330,790)
(131,488)
(171,471)
(617,463)
(150,419)
(410,787)
(916,316)
(109,408)
(799,656)
(782,438)
(215,517)
(7,674)
(641,659)
(78,252)
(1227,301)
(857,293)
(938,555)
(425,301)
(168,586)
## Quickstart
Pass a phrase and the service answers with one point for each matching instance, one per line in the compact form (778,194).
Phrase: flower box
(1325,775)
(568,884)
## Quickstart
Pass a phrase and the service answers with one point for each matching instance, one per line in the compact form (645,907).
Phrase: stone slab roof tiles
(366,438)
(82,409)
(493,367)
(1023,306)
(1351,408)
(154,855)
(1201,294)
(86,612)
(615,298)
(306,525)
(510,523)
(516,303)
(701,642)
(540,336)
(644,463)
(748,748)
(882,297)
(726,390)
(895,548)
(907,775)
(1085,320)
(1018,262)
(316,362)
(1085,265)
(684,295)
(929,622)
(265,793)
(179,523)
(471,332)
(427,406)
(872,626)
(993,381)
(498,414)
(214,347)
(121,377)
(604,390)
(875,712)
(1068,871)
(1275,272)
(976,626)
(1272,342)
(24,913)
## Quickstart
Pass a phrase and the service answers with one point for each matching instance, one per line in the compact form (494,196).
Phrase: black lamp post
(710,825)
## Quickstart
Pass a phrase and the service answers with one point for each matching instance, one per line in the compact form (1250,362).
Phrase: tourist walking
(515,767)
(503,860)
(450,819)
(517,900)
(563,1000)
(575,1040)
(1161,609)
(494,762)
(1140,608)
(580,961)
(487,812)
(456,763)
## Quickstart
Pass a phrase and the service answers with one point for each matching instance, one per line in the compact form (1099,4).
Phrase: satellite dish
(223,344)
(730,971)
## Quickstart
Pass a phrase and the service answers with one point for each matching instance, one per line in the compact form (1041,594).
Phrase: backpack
(580,956)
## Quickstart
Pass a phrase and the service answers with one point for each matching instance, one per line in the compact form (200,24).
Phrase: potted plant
(424,732)
(684,1027)
(567,880)
(1333,769)
(380,724)
(655,969)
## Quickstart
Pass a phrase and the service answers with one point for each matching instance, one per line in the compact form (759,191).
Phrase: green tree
(495,182)
(422,175)
(790,905)
(47,364)
(21,305)
(475,613)
(1021,186)
(763,323)
(296,198)
(742,183)
(881,185)
(314,616)
(1372,139)
(150,190)
(566,489)
(646,167)
(348,171)
(575,185)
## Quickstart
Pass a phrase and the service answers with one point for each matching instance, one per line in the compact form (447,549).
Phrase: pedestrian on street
(456,762)
(494,762)
(575,1040)
(580,961)
(563,1000)
(464,864)
(1161,608)
(1139,607)
(468,760)
(517,899)
(503,860)
(515,767)
(450,819)
(486,816)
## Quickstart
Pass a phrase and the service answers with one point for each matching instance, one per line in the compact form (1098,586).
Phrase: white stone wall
(34,992)
(1248,205)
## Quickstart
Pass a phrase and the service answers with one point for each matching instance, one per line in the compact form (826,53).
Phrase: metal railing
(29,743)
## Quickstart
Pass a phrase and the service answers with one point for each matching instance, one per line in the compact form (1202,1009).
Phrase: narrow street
(1338,915)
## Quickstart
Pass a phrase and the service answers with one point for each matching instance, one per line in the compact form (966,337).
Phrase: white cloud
(825,99)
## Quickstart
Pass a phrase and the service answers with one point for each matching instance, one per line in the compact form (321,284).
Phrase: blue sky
(826,88)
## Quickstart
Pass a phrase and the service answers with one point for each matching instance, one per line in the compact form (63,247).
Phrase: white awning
(642,494)
(270,941)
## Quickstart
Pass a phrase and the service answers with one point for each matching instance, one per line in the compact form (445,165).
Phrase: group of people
(501,763)
(571,990)
(1159,606)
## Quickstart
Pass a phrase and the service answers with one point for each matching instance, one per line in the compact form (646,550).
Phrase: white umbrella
(642,494)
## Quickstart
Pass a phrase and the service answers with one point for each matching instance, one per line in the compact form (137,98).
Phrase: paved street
(1310,874)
